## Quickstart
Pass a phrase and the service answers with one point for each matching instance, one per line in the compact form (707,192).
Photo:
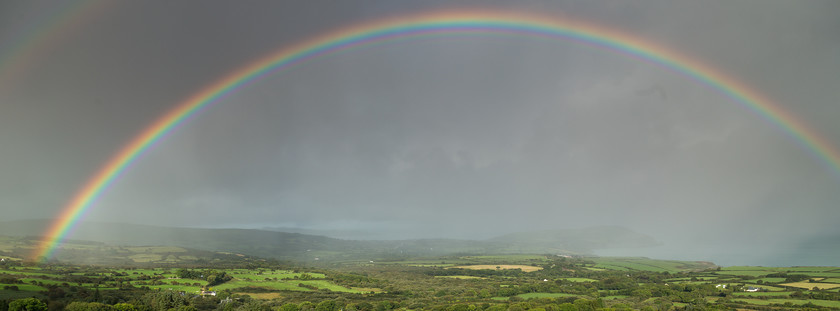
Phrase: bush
(27,304)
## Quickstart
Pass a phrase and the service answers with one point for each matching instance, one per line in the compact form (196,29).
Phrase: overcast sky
(463,137)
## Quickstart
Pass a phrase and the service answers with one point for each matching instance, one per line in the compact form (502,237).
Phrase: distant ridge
(307,247)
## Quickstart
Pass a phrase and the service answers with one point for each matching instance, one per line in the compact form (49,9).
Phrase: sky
(450,136)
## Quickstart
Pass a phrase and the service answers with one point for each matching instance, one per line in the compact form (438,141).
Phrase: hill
(304,247)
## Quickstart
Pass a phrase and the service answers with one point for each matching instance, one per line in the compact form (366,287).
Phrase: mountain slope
(303,247)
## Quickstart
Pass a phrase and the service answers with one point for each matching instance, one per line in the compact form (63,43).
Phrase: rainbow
(55,23)
(430,24)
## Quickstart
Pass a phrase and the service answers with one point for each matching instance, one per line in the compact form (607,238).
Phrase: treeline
(213,277)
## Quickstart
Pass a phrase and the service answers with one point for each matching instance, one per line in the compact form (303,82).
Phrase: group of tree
(212,276)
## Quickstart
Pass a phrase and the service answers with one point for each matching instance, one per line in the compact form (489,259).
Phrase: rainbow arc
(430,24)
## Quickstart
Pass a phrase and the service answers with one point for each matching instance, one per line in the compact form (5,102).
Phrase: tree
(327,305)
(124,307)
(88,306)
(165,300)
(27,304)
(289,307)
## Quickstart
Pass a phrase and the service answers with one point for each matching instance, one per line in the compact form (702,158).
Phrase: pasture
(524,268)
(576,280)
(511,279)
(755,294)
(647,264)
(775,301)
(810,285)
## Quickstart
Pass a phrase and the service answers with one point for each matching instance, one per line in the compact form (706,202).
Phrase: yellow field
(266,296)
(500,267)
(807,285)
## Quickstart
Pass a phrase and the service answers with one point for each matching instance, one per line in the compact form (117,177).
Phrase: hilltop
(305,247)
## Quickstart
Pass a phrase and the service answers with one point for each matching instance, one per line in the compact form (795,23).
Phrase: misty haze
(463,141)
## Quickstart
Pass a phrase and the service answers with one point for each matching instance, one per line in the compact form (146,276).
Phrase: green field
(764,286)
(245,274)
(753,294)
(647,264)
(177,288)
(428,284)
(764,302)
(506,258)
(578,279)
(291,285)
(25,287)
(279,285)
(750,273)
(809,285)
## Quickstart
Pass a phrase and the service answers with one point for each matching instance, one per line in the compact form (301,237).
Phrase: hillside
(304,247)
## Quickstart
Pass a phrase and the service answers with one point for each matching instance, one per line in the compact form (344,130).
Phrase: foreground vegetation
(449,283)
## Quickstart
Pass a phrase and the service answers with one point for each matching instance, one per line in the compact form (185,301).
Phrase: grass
(747,268)
(28,273)
(279,280)
(513,257)
(578,280)
(761,294)
(501,267)
(291,285)
(279,285)
(808,285)
(44,281)
(279,274)
(323,284)
(764,302)
(767,287)
(26,287)
(761,271)
(265,296)
(647,264)
(822,274)
(811,269)
(177,288)
(752,273)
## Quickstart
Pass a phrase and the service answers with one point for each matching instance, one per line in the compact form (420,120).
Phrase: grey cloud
(455,136)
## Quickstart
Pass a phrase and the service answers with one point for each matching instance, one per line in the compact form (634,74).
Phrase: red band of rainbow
(435,23)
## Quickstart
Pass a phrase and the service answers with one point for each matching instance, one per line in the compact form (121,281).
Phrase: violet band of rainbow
(431,24)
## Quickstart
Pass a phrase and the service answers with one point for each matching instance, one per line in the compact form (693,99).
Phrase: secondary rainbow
(55,22)
(430,24)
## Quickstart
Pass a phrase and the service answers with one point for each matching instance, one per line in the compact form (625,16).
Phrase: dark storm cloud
(462,136)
